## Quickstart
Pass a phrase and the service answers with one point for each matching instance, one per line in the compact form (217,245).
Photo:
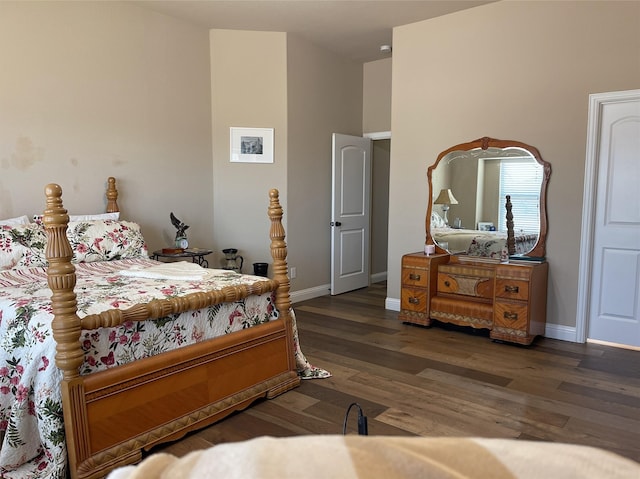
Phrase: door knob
(337,223)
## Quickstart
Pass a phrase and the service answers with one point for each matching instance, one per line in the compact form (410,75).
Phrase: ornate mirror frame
(539,249)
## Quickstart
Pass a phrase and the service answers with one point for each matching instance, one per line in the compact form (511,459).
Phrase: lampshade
(446,198)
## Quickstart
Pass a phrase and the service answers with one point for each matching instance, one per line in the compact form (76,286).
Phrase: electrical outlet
(292,272)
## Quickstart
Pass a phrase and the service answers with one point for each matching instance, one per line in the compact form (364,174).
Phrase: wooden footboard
(112,415)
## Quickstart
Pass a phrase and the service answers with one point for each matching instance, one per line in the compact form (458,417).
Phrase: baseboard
(377,277)
(324,289)
(563,333)
(310,293)
(552,331)
(392,304)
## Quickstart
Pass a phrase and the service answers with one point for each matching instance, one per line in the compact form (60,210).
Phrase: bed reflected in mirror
(471,219)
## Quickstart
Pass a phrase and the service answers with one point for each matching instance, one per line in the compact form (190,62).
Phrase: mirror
(468,188)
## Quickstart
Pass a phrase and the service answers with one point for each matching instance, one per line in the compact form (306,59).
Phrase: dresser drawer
(510,315)
(473,286)
(418,277)
(512,289)
(413,299)
(464,313)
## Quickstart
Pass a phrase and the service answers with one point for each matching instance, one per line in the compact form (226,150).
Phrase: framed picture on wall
(251,145)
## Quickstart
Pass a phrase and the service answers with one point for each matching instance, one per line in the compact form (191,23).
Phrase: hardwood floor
(441,381)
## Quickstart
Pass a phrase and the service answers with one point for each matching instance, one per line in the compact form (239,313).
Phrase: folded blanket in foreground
(364,457)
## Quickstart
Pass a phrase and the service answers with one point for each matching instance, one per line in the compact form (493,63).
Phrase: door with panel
(614,298)
(350,213)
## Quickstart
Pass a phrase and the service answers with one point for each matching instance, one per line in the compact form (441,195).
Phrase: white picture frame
(485,226)
(251,145)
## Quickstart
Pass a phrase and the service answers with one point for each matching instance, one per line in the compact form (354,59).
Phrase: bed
(107,353)
(488,244)
(491,244)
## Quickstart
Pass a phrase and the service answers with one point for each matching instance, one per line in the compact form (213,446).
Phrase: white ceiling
(353,28)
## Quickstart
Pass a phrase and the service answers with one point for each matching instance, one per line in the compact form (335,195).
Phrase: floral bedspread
(496,247)
(488,244)
(31,421)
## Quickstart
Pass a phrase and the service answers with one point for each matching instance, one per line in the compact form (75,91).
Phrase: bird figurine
(181,236)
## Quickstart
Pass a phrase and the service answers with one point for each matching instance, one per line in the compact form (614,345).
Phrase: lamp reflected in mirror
(445,198)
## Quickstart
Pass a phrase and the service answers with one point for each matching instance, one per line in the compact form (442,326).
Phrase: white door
(350,213)
(614,299)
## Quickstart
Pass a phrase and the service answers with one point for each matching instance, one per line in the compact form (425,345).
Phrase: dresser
(508,299)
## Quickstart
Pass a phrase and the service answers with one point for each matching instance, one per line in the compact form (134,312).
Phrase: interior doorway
(381,159)
(379,205)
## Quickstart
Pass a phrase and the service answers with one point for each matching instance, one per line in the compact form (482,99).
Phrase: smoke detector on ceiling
(385,48)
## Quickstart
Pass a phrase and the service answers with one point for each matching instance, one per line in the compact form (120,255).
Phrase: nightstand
(196,254)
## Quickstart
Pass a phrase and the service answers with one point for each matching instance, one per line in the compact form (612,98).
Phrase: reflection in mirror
(480,175)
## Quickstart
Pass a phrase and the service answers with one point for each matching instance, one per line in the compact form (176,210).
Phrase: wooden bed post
(280,268)
(112,196)
(61,277)
(511,241)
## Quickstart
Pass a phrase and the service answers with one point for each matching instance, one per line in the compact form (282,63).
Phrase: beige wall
(464,186)
(510,70)
(324,97)
(100,89)
(90,90)
(490,202)
(248,89)
(376,118)
(376,89)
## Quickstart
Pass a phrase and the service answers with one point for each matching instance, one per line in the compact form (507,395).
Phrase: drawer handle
(511,316)
(511,289)
(447,284)
(413,300)
(414,277)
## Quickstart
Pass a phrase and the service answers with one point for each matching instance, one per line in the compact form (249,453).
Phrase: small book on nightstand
(526,259)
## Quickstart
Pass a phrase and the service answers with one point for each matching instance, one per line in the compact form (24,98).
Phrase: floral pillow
(22,245)
(105,240)
(437,221)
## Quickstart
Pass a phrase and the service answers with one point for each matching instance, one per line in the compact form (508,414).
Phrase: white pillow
(101,216)
(17,221)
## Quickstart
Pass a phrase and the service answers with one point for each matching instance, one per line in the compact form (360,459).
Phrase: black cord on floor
(363,429)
